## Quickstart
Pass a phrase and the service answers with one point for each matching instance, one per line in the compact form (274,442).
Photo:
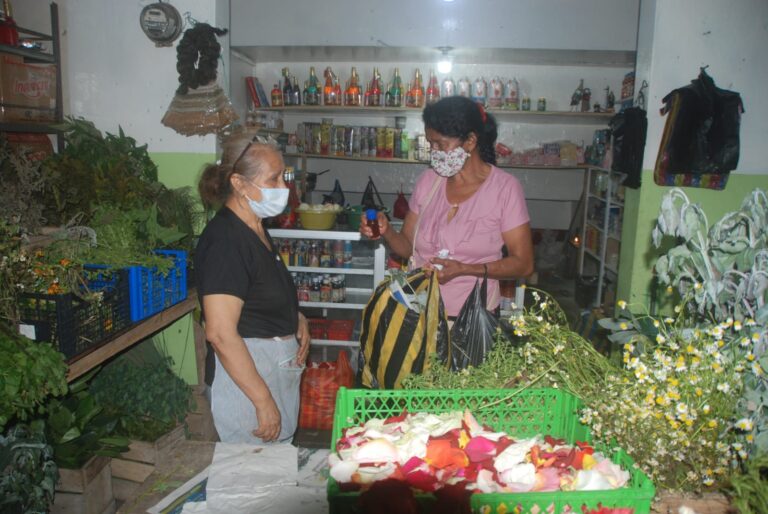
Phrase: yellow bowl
(317,220)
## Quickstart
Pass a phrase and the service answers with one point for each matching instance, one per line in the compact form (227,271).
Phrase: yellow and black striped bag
(395,341)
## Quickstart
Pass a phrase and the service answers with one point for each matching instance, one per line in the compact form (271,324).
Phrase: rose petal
(480,448)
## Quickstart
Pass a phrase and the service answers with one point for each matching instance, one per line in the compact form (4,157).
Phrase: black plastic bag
(371,197)
(336,196)
(473,333)
(701,134)
(629,128)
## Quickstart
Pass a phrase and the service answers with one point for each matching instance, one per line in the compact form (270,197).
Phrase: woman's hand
(383,222)
(450,269)
(269,420)
(303,337)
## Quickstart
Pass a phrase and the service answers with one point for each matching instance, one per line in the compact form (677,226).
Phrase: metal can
(541,105)
(526,103)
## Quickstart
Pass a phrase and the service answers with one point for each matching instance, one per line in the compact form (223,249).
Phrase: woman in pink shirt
(464,205)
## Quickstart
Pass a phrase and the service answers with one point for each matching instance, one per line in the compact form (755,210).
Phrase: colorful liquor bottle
(295,93)
(433,90)
(416,92)
(329,90)
(353,94)
(394,96)
(374,91)
(312,89)
(287,88)
(277,96)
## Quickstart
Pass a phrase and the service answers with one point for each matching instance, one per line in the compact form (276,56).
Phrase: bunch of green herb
(543,351)
(28,472)
(140,389)
(93,170)
(30,373)
(21,188)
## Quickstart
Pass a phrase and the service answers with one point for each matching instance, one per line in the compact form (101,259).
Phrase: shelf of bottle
(351,158)
(613,236)
(334,271)
(334,342)
(28,55)
(357,298)
(615,202)
(563,117)
(592,254)
(315,234)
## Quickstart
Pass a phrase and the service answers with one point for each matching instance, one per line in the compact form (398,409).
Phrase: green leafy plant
(94,169)
(21,188)
(749,490)
(28,472)
(30,373)
(721,272)
(140,389)
(78,428)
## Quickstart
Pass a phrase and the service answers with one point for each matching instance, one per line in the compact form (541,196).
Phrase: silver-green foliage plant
(722,271)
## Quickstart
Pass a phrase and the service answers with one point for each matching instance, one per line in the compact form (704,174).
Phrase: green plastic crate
(524,414)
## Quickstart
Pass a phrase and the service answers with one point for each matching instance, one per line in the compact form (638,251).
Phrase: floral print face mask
(448,164)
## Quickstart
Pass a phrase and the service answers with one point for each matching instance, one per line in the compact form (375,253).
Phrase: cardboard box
(27,91)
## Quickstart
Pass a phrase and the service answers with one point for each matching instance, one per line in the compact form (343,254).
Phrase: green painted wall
(177,341)
(638,254)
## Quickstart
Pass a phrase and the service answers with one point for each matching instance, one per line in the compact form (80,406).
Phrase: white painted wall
(730,37)
(115,76)
(586,24)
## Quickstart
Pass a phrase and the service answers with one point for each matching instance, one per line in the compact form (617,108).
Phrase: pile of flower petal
(430,451)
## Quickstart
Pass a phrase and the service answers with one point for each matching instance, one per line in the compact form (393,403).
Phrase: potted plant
(150,402)
(82,436)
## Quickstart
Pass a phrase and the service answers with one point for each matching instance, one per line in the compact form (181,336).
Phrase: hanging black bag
(473,333)
(701,134)
(629,128)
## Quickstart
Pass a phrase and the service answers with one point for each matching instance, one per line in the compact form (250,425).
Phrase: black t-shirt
(231,259)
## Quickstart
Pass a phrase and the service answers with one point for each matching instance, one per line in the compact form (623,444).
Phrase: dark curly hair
(457,116)
(197,57)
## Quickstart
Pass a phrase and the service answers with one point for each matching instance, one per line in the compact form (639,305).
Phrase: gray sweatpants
(234,414)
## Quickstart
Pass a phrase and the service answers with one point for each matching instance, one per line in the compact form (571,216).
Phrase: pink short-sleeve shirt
(474,235)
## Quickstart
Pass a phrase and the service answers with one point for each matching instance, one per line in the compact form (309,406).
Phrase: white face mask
(273,202)
(448,164)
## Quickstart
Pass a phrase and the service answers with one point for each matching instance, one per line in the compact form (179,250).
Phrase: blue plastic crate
(71,323)
(151,291)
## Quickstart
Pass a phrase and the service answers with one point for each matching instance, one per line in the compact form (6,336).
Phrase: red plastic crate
(340,329)
(318,327)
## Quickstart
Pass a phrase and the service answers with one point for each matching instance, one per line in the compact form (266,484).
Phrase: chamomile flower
(724,387)
(622,304)
(744,424)
(660,338)
(737,325)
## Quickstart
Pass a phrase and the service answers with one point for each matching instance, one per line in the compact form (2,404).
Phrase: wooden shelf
(333,271)
(85,362)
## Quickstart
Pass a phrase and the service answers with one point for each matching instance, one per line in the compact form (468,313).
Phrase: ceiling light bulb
(444,65)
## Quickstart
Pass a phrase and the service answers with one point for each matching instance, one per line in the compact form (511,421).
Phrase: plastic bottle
(372,222)
(347,254)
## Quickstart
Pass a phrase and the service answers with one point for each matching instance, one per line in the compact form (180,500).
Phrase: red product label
(31,88)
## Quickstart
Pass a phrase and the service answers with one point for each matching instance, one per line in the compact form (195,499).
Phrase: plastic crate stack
(124,297)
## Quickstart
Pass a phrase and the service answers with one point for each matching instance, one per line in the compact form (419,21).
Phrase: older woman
(463,209)
(248,298)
